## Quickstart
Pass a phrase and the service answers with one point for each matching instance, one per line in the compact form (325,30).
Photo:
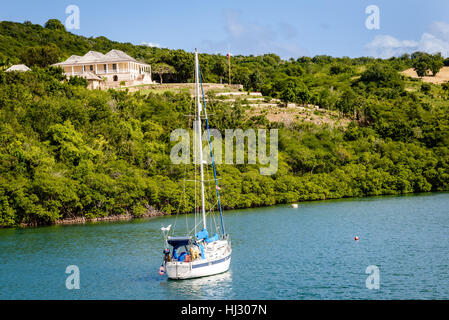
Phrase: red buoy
(356,238)
(161,271)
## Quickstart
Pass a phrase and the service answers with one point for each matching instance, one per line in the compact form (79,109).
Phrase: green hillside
(66,151)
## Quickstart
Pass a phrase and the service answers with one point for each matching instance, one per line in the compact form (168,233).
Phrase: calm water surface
(278,253)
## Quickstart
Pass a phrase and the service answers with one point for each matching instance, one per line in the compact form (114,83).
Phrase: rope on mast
(211,153)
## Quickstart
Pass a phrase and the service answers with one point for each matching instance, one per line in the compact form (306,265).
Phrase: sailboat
(202,254)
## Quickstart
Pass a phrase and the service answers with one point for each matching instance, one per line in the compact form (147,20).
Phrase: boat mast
(200,147)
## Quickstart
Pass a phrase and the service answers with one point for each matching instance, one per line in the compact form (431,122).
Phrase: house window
(114,67)
(91,68)
(105,67)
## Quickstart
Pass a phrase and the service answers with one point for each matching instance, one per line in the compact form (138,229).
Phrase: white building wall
(131,73)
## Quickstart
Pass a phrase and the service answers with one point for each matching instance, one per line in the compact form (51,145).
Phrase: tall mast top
(200,147)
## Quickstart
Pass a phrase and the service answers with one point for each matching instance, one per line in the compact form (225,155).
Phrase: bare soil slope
(440,77)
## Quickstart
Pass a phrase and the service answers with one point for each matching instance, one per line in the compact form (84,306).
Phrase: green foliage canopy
(66,151)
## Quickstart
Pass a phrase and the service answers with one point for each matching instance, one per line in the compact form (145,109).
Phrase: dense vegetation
(66,151)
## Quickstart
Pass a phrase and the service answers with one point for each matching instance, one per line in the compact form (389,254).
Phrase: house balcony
(103,72)
(112,71)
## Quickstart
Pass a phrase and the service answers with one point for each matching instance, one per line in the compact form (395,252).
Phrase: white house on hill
(18,67)
(114,66)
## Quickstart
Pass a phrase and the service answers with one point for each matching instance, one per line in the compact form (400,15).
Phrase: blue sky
(287,28)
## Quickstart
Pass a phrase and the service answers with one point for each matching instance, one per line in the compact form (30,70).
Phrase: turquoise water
(278,253)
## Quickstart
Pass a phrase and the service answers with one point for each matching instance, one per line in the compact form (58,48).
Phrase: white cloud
(385,46)
(431,44)
(440,29)
(151,44)
(437,40)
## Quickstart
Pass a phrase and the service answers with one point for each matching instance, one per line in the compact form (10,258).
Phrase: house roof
(118,55)
(73,58)
(97,57)
(18,67)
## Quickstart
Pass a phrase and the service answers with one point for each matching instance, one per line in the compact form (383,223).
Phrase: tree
(54,24)
(78,81)
(426,88)
(382,75)
(420,68)
(240,75)
(376,73)
(338,69)
(286,89)
(302,94)
(287,95)
(183,63)
(219,68)
(422,62)
(41,56)
(445,87)
(56,72)
(4,62)
(436,63)
(163,68)
(346,103)
(256,80)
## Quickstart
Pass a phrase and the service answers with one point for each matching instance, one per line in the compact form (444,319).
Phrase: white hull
(218,260)
(190,270)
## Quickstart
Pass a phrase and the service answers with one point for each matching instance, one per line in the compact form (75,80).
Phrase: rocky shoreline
(150,213)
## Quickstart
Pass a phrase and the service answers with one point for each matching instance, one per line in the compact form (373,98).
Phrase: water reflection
(213,287)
